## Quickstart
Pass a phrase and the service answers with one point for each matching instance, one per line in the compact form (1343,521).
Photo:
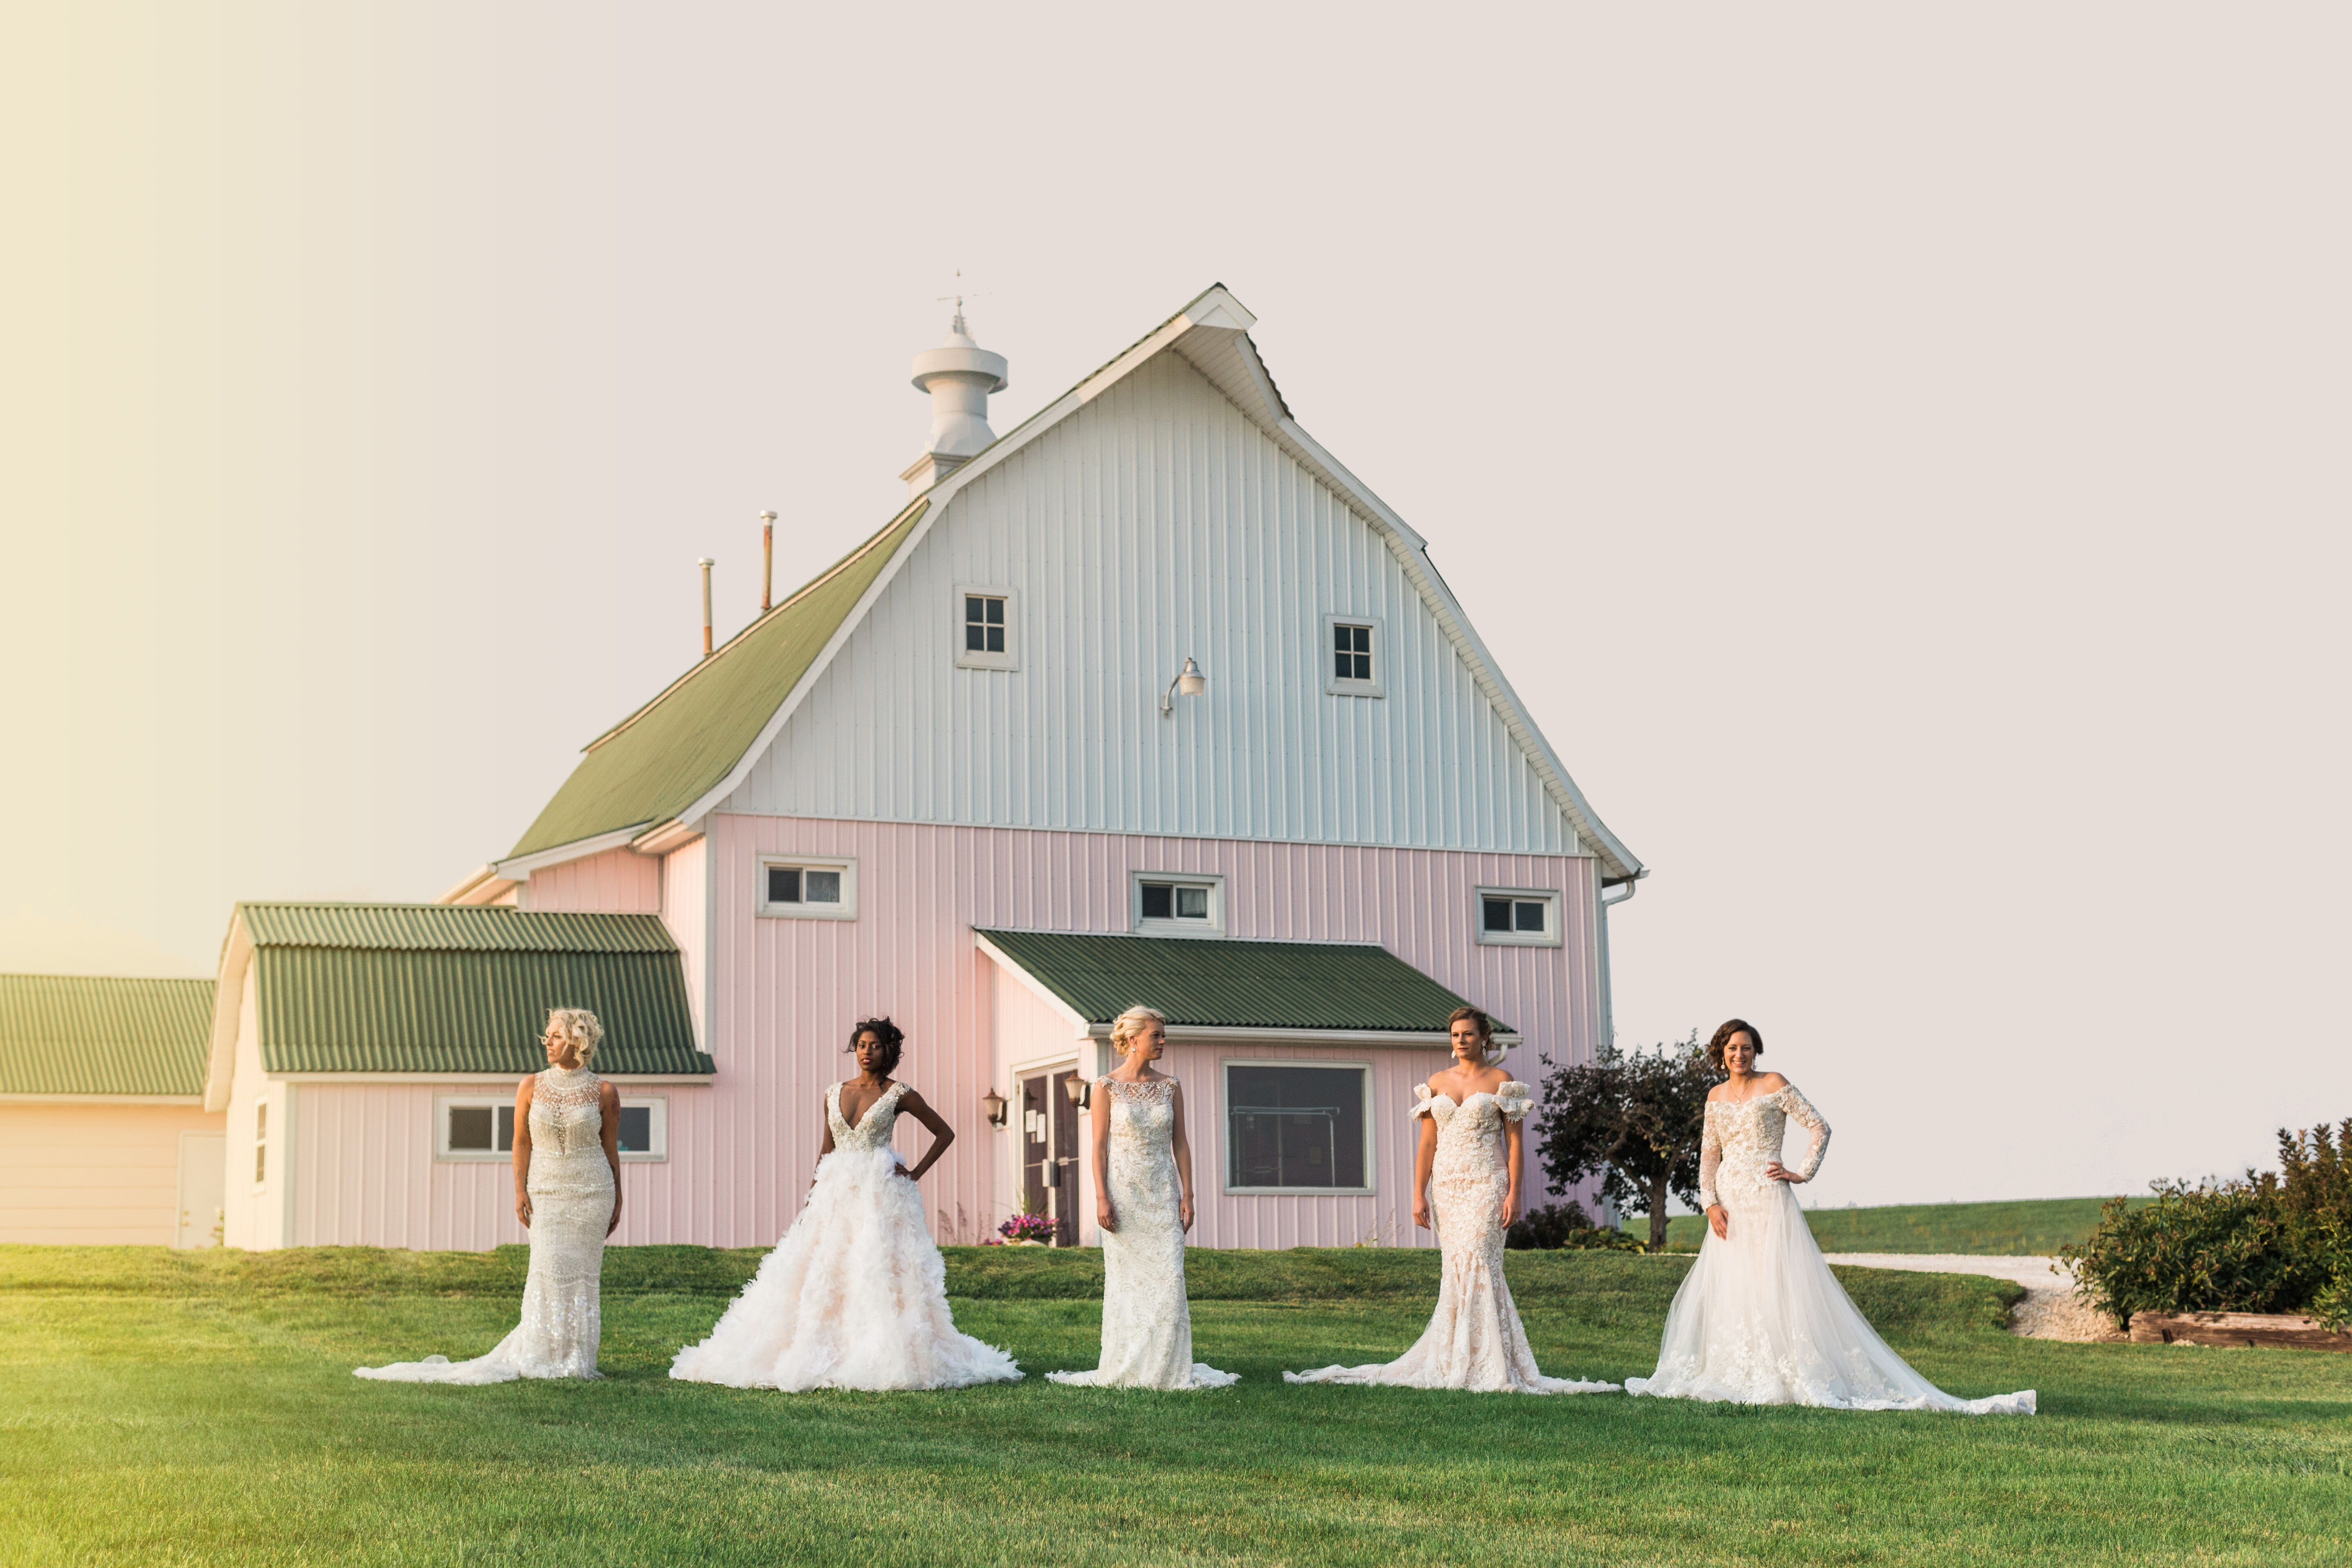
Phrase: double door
(1049,1151)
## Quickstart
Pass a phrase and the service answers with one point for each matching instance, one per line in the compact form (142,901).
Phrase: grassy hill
(2029,1228)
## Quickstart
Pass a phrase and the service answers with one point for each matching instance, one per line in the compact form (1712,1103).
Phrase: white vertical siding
(1157,522)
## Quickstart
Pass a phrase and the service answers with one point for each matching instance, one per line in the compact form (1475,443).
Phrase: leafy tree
(1635,1118)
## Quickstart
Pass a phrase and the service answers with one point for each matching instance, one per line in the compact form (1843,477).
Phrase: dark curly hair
(893,1038)
(1723,1038)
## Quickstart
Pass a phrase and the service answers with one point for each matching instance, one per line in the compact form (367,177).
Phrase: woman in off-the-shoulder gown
(1466,1184)
(1759,1318)
(856,1294)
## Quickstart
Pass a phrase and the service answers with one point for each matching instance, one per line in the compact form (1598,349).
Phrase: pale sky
(1900,459)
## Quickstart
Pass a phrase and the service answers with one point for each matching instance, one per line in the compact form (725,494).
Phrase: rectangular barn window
(481,1126)
(987,628)
(794,886)
(1174,905)
(1352,655)
(1298,1127)
(1518,917)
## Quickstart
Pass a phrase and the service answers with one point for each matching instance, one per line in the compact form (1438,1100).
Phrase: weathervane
(959,298)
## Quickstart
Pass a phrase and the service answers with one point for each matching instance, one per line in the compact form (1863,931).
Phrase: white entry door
(204,1175)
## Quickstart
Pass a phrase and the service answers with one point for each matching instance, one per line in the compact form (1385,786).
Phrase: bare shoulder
(1773,1082)
(607,1091)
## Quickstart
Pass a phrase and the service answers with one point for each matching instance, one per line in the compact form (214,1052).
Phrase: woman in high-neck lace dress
(1465,1185)
(1759,1318)
(1143,1206)
(856,1294)
(567,1175)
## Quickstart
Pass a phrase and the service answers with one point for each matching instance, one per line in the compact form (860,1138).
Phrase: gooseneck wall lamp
(1188,680)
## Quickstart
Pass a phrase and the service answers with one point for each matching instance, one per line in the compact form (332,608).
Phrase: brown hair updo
(1723,1038)
(1477,1018)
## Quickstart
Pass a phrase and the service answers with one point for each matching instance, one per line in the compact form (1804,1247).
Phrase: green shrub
(2214,1247)
(2314,1194)
(1557,1226)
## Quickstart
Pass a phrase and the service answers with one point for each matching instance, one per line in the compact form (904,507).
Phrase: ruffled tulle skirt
(854,1296)
(1761,1320)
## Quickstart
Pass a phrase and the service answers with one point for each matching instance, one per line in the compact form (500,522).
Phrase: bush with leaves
(1558,1225)
(1634,1118)
(2316,1195)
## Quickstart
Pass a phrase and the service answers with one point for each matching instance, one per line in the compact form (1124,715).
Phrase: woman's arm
(1424,1156)
(522,1151)
(608,1115)
(1800,1112)
(941,1133)
(1514,1157)
(1184,1149)
(1098,1125)
(824,1145)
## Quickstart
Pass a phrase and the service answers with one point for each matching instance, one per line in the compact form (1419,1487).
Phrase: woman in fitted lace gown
(1466,1187)
(567,1173)
(1759,1318)
(856,1294)
(1143,1206)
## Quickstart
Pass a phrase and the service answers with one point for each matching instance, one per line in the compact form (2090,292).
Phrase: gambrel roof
(657,774)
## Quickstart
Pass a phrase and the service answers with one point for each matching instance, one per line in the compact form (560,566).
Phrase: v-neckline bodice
(894,1087)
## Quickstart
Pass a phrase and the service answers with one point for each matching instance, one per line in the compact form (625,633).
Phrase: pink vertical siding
(617,882)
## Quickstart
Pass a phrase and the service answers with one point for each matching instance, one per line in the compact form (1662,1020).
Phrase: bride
(856,1294)
(1143,1206)
(1466,1182)
(567,1173)
(1759,1318)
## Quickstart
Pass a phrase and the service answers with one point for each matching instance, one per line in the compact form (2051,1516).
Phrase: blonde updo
(1129,1024)
(579,1028)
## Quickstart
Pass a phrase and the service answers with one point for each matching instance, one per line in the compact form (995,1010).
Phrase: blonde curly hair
(1129,1024)
(578,1027)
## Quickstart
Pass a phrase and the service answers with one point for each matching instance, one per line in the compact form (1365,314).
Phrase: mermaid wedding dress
(1147,1327)
(856,1294)
(1474,1339)
(570,1188)
(1759,1318)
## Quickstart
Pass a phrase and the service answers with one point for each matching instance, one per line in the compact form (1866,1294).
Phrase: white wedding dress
(1147,1327)
(1759,1318)
(570,1188)
(1474,1339)
(856,1294)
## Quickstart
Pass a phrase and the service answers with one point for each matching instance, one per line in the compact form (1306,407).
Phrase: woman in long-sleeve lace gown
(1466,1186)
(855,1296)
(567,1169)
(1143,1206)
(1759,1318)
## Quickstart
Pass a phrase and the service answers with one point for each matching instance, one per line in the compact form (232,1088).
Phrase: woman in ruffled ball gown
(567,1176)
(1466,1186)
(1143,1206)
(856,1294)
(1759,1318)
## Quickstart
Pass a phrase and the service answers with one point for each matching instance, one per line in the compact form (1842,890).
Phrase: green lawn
(185,1408)
(2036,1227)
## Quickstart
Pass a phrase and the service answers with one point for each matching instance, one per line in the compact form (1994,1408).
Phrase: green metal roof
(63,1034)
(434,988)
(666,755)
(1233,984)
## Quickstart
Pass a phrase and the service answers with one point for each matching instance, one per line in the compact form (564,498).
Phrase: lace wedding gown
(1147,1327)
(570,1188)
(1759,1318)
(1474,1339)
(856,1294)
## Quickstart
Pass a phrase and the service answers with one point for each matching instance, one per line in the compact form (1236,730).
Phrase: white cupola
(959,374)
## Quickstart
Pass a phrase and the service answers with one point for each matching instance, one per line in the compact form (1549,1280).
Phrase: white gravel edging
(2050,1311)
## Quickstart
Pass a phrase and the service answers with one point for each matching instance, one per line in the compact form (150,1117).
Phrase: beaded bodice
(1141,1160)
(566,1115)
(874,1128)
(1743,1136)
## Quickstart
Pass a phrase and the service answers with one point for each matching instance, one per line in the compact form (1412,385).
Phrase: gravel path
(2050,1311)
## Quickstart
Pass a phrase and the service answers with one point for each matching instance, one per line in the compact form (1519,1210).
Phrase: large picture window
(1298,1127)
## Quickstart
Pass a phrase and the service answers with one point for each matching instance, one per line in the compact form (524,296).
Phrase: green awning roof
(670,752)
(1207,984)
(437,989)
(68,1034)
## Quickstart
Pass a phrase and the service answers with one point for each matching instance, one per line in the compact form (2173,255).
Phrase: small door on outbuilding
(203,1177)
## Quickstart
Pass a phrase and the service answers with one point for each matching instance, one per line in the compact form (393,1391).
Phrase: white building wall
(1156,523)
(253,1211)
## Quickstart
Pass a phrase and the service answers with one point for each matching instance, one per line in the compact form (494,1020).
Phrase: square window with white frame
(1352,656)
(1518,917)
(480,1127)
(1298,1127)
(987,629)
(1169,903)
(796,886)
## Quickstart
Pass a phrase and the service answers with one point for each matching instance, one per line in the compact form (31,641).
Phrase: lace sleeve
(1802,1112)
(1514,1099)
(1710,1160)
(1421,1105)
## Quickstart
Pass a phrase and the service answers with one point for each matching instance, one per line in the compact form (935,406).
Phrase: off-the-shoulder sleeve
(1422,1103)
(1800,1112)
(1710,1160)
(1514,1099)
